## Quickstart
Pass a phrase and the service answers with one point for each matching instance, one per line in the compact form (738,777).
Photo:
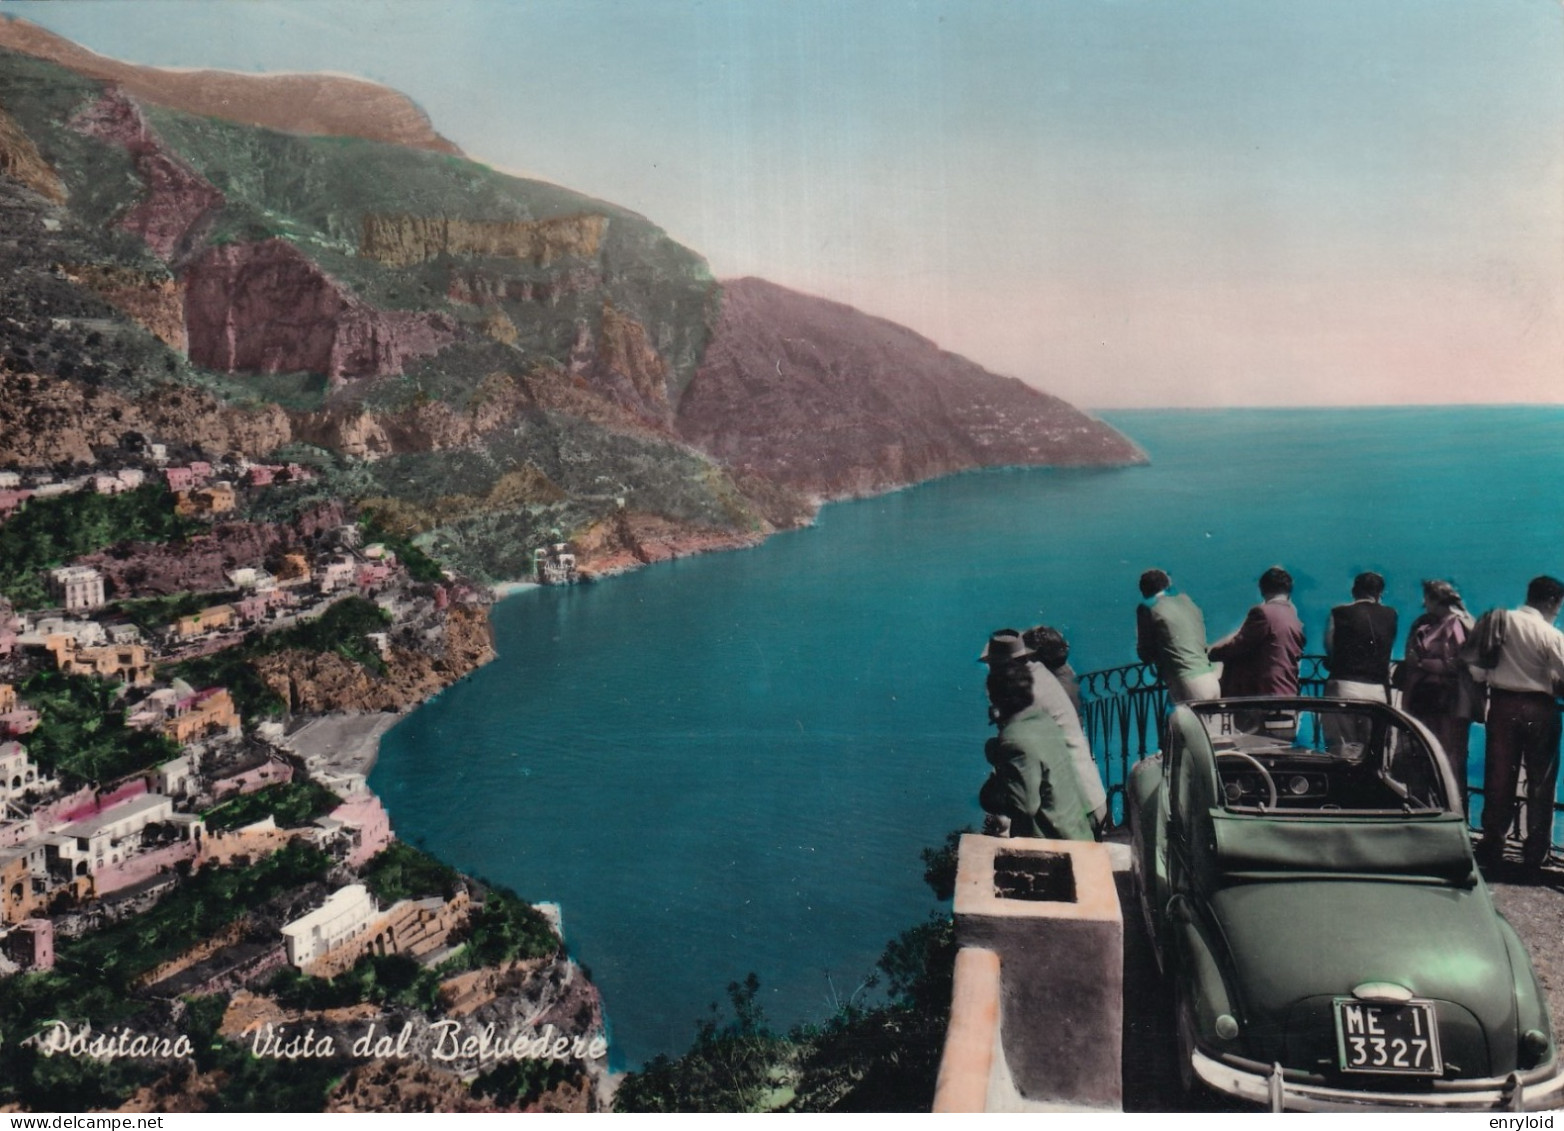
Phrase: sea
(730,763)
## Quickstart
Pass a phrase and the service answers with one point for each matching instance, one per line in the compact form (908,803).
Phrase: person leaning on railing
(1436,688)
(1035,788)
(1170,635)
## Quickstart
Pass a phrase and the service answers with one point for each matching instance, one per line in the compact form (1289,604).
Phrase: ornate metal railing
(1122,711)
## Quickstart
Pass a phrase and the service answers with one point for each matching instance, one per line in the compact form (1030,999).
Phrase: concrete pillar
(1050,910)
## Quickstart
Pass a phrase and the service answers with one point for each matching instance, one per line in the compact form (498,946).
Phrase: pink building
(372,575)
(368,826)
(260,475)
(85,804)
(12,499)
(179,478)
(144,865)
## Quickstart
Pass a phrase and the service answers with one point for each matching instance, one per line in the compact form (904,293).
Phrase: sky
(1123,202)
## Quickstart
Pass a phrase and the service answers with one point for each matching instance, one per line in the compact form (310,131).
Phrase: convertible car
(1310,891)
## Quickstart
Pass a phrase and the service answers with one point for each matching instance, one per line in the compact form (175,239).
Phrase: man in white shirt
(1523,724)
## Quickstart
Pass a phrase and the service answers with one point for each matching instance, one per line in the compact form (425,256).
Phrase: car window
(1322,758)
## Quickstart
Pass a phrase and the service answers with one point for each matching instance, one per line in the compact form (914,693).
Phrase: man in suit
(1261,658)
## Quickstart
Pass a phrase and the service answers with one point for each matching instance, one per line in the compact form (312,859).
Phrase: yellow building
(215,619)
(119,663)
(218,498)
(206,712)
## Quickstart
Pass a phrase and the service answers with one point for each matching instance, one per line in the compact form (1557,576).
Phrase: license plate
(1388,1039)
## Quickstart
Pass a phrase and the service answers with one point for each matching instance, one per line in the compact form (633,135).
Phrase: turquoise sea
(730,763)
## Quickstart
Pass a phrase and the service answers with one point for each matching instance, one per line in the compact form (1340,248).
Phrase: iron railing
(1123,710)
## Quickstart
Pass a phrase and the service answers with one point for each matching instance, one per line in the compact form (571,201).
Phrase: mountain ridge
(482,358)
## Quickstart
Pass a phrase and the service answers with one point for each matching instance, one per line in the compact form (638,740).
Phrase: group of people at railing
(1505,670)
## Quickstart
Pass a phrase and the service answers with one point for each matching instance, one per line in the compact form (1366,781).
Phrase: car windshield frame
(1381,761)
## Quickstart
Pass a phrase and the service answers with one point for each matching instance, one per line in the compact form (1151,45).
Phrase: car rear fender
(1531,1006)
(1200,974)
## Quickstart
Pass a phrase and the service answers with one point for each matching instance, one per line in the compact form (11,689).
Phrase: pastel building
(111,836)
(251,776)
(179,478)
(346,914)
(363,821)
(24,880)
(336,574)
(203,714)
(175,778)
(215,618)
(79,587)
(127,663)
(18,774)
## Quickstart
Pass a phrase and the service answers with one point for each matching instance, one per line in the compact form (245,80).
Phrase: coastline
(342,743)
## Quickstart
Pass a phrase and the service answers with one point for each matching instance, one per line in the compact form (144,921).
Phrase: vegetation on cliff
(81,733)
(292,805)
(342,630)
(50,532)
(93,978)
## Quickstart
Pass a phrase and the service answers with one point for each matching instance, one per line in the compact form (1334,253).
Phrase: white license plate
(1388,1039)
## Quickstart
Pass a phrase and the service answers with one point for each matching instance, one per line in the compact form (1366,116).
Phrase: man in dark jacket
(1261,658)
(1358,641)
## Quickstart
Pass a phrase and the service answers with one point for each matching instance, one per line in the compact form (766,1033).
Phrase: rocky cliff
(175,198)
(402,240)
(266,308)
(21,161)
(201,563)
(487,359)
(49,420)
(316,683)
(819,396)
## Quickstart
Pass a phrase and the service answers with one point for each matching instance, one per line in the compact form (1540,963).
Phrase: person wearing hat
(1034,783)
(1170,635)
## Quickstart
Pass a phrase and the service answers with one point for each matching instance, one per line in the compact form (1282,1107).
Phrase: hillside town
(150,753)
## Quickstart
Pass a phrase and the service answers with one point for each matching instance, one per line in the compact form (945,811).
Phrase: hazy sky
(1126,202)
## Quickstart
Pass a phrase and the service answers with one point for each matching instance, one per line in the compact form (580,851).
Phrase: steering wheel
(1270,782)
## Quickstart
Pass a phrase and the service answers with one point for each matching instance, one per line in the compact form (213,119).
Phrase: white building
(175,778)
(346,914)
(114,834)
(250,577)
(18,773)
(336,574)
(80,587)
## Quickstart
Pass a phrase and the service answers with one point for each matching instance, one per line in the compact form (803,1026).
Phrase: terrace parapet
(1037,1007)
